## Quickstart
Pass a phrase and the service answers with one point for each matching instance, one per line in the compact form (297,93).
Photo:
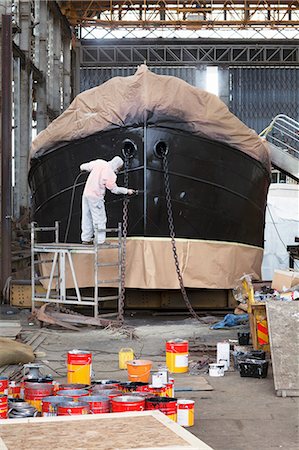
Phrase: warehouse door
(257,94)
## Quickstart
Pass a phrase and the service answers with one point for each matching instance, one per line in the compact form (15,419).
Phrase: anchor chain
(121,302)
(172,235)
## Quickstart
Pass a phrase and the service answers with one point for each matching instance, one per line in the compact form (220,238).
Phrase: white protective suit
(102,175)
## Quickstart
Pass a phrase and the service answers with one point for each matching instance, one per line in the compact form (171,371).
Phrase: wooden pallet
(147,430)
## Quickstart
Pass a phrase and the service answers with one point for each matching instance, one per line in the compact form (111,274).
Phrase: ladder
(59,257)
(283,138)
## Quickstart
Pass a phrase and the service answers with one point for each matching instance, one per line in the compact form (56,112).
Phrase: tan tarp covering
(150,265)
(13,352)
(152,99)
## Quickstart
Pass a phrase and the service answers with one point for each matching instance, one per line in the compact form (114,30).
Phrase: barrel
(49,405)
(98,404)
(186,413)
(177,355)
(3,406)
(35,392)
(74,394)
(79,366)
(166,405)
(69,408)
(127,403)
(4,385)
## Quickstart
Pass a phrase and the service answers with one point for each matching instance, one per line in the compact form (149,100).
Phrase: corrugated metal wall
(257,94)
(94,76)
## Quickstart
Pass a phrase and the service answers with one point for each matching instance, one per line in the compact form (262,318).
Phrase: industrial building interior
(149,224)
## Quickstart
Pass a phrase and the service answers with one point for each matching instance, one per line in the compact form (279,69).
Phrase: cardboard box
(284,279)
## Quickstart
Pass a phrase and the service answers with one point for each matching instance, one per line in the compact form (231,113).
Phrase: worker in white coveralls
(102,175)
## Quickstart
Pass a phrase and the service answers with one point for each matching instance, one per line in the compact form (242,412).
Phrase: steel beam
(6,147)
(128,52)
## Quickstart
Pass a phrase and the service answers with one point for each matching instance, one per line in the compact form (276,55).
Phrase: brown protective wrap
(152,99)
(150,264)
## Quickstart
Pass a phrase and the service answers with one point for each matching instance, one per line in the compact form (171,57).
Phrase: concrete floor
(239,414)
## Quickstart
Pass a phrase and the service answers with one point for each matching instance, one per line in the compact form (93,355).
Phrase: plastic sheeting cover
(152,99)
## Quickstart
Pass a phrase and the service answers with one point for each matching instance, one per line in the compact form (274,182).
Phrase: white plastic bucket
(216,370)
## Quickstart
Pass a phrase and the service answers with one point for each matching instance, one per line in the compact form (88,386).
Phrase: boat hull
(218,193)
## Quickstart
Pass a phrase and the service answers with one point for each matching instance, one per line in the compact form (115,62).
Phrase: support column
(57,67)
(41,33)
(66,72)
(22,152)
(6,147)
(223,83)
(76,69)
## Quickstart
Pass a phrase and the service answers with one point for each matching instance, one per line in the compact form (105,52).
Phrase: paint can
(159,391)
(49,405)
(124,355)
(164,374)
(113,393)
(216,370)
(74,394)
(166,405)
(3,406)
(186,413)
(130,386)
(72,386)
(223,354)
(14,389)
(139,370)
(128,403)
(79,367)
(177,355)
(4,385)
(35,392)
(157,380)
(98,404)
(69,408)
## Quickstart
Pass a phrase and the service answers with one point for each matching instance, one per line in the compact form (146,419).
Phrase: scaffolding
(59,256)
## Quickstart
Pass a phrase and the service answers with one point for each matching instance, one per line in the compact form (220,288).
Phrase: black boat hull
(218,193)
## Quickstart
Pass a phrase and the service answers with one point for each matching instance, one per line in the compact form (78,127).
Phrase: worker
(102,175)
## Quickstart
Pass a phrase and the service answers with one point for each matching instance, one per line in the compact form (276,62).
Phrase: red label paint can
(127,403)
(73,393)
(98,404)
(35,392)
(72,408)
(3,406)
(166,405)
(4,385)
(49,405)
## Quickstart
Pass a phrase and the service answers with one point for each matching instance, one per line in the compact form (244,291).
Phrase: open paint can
(216,370)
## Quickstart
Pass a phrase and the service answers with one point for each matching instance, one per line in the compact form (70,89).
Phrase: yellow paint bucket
(185,416)
(177,355)
(124,355)
(79,367)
